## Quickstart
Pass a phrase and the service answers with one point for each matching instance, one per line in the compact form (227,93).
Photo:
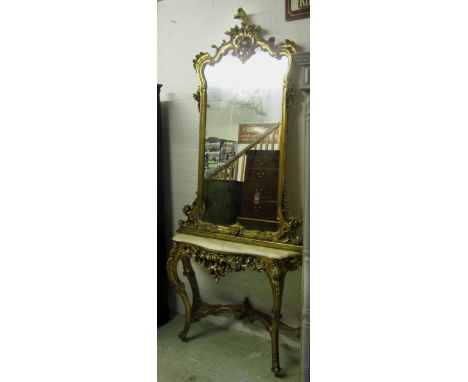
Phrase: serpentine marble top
(233,247)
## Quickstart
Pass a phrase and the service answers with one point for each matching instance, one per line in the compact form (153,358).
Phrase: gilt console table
(220,257)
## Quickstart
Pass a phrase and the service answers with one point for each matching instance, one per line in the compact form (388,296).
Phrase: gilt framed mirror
(243,100)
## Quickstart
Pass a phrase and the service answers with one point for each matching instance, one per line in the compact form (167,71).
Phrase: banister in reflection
(230,170)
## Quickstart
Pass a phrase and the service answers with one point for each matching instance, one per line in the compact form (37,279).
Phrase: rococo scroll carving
(289,232)
(276,278)
(220,264)
(243,38)
(191,211)
(243,41)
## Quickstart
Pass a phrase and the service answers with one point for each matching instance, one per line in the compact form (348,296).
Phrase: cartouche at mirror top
(243,99)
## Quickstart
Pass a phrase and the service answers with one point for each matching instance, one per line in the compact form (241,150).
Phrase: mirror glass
(243,117)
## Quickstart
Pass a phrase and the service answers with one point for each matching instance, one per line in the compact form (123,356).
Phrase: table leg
(175,255)
(276,274)
(190,274)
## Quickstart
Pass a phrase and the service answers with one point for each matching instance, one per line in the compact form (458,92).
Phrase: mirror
(243,116)
(243,99)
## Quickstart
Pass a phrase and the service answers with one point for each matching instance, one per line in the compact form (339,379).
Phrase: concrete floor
(216,354)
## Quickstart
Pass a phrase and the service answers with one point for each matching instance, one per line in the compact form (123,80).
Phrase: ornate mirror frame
(242,43)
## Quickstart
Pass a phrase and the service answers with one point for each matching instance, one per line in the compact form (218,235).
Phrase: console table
(221,257)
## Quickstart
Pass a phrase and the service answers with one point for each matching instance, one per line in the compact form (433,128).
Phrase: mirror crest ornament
(244,42)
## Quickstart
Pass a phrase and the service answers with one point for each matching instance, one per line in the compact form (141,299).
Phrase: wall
(185,28)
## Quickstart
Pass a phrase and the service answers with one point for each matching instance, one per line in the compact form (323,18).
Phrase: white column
(302,60)
(305,335)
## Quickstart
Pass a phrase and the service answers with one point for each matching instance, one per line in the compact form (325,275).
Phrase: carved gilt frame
(242,43)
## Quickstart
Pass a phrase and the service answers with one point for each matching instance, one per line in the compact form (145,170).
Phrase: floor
(214,354)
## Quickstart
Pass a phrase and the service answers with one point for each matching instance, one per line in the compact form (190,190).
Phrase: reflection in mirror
(243,118)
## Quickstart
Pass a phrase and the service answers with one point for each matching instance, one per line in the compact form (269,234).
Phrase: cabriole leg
(175,255)
(190,274)
(276,273)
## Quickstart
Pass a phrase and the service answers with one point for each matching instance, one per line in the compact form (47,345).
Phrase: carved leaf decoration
(243,39)
(289,232)
(191,212)
(220,264)
(275,274)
